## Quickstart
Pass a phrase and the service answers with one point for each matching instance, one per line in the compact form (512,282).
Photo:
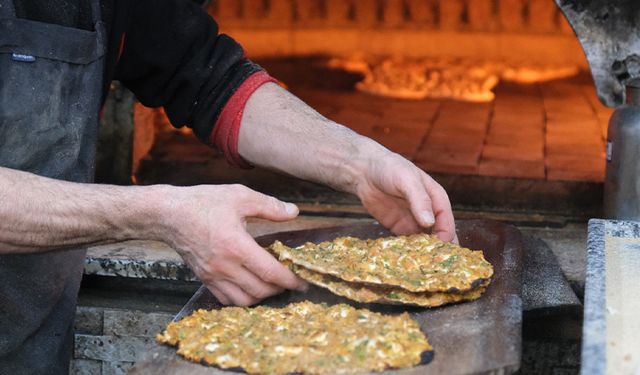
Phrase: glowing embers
(302,338)
(461,79)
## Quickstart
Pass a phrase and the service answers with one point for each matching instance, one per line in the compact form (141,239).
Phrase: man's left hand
(403,198)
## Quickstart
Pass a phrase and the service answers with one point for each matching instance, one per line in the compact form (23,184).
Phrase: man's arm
(281,132)
(205,224)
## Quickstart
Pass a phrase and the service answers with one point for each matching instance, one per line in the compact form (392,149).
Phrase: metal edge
(593,358)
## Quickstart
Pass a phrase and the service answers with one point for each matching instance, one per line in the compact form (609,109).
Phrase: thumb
(267,207)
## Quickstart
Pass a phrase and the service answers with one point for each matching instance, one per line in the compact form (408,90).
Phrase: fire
(461,79)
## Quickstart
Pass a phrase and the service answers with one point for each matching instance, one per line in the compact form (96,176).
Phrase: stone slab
(134,323)
(85,367)
(545,290)
(111,348)
(88,321)
(611,344)
(481,336)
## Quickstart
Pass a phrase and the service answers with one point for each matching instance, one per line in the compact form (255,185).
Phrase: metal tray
(478,337)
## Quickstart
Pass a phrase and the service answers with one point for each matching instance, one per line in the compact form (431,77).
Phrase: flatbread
(416,263)
(384,295)
(304,338)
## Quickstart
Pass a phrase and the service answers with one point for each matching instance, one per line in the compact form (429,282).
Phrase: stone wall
(109,341)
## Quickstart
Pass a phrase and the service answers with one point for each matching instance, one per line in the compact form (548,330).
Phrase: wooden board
(482,336)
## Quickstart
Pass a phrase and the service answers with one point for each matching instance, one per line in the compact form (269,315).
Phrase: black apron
(50,97)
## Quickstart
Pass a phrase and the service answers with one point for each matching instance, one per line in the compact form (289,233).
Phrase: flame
(461,79)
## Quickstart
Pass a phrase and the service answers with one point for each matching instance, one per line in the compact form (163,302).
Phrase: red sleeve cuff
(227,128)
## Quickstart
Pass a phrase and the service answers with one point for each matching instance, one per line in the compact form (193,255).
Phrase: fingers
(444,227)
(221,297)
(235,294)
(419,202)
(236,285)
(254,286)
(263,265)
(254,204)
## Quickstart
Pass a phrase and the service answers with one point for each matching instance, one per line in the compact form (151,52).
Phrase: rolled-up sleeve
(173,57)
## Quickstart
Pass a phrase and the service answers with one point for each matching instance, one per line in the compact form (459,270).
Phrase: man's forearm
(281,132)
(40,214)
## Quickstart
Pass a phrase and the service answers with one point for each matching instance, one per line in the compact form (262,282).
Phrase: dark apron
(50,96)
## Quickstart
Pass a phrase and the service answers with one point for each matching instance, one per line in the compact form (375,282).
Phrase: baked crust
(416,263)
(304,338)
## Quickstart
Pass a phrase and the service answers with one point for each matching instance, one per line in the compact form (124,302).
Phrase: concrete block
(111,348)
(88,320)
(116,368)
(85,367)
(134,323)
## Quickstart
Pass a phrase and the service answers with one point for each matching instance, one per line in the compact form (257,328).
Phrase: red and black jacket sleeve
(172,56)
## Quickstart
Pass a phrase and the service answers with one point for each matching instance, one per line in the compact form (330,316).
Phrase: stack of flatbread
(418,270)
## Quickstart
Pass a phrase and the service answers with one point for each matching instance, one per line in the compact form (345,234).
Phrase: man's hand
(403,198)
(207,226)
(281,132)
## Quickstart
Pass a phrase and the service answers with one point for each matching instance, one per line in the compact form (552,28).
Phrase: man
(56,61)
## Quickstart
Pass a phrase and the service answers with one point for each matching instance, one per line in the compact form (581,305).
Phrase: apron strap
(6,9)
(95,11)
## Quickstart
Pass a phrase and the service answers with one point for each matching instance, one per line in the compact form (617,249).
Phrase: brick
(512,168)
(254,11)
(433,160)
(422,12)
(510,12)
(575,168)
(520,152)
(355,119)
(310,13)
(111,348)
(134,323)
(393,13)
(570,148)
(542,15)
(517,120)
(366,13)
(403,137)
(338,12)
(229,13)
(408,110)
(280,13)
(88,320)
(480,15)
(451,14)
(85,367)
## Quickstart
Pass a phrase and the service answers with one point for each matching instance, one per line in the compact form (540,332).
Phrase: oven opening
(490,95)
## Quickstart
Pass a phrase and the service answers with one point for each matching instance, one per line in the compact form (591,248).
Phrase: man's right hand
(207,225)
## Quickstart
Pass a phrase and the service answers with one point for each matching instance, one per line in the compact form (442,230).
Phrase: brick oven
(502,97)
